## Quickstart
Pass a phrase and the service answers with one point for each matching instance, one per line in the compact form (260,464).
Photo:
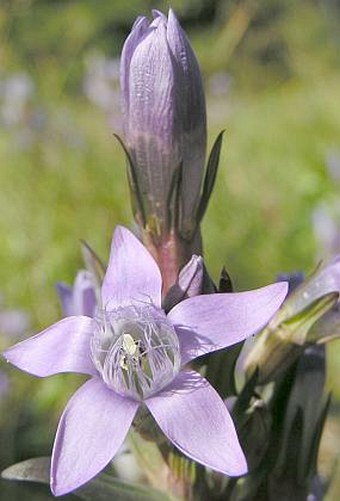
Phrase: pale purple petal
(65,294)
(153,137)
(84,296)
(214,321)
(193,416)
(132,274)
(192,111)
(189,283)
(63,347)
(139,28)
(92,428)
(157,13)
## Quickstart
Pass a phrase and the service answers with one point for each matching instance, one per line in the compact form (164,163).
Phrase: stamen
(135,350)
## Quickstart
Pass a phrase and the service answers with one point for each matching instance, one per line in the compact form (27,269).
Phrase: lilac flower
(79,299)
(164,114)
(136,355)
(13,323)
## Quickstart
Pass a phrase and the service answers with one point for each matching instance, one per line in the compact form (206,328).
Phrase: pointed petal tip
(132,273)
(62,347)
(172,15)
(83,447)
(282,289)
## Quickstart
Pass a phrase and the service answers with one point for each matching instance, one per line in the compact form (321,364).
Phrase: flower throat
(135,350)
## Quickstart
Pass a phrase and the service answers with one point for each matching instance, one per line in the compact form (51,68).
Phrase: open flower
(136,355)
(79,299)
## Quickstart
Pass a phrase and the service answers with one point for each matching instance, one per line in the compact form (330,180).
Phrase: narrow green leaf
(107,488)
(314,450)
(102,488)
(244,398)
(93,262)
(210,177)
(31,470)
(136,196)
(225,283)
(173,202)
(221,370)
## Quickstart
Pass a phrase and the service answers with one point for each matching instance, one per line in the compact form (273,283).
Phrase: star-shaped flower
(137,355)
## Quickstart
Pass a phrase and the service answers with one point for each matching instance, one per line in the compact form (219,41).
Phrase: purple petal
(63,347)
(191,102)
(84,296)
(92,428)
(193,416)
(154,132)
(132,273)
(189,284)
(65,294)
(139,28)
(157,13)
(214,321)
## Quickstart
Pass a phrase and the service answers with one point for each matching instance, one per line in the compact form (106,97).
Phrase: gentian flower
(164,117)
(79,299)
(136,356)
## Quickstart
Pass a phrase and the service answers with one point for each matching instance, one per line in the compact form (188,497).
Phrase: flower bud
(164,123)
(306,317)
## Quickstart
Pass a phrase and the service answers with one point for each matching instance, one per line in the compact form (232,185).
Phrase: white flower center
(135,350)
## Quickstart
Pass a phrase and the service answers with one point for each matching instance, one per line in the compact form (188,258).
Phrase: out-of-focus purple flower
(101,86)
(164,116)
(79,299)
(15,93)
(326,226)
(136,355)
(333,164)
(13,323)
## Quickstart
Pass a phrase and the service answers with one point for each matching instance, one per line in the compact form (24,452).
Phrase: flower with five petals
(137,355)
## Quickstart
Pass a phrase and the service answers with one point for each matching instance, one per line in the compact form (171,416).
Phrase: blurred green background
(271,73)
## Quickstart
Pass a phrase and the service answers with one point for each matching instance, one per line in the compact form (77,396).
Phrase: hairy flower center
(136,350)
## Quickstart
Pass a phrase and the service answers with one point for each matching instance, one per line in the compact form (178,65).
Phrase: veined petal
(63,347)
(214,321)
(192,111)
(154,131)
(193,416)
(139,28)
(132,274)
(93,426)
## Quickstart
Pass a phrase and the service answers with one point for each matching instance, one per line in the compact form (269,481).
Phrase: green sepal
(221,370)
(327,328)
(174,198)
(225,283)
(243,400)
(138,208)
(210,177)
(95,266)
